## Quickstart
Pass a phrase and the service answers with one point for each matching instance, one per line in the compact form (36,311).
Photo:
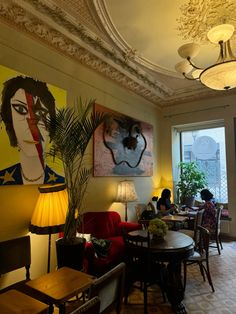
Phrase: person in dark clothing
(164,205)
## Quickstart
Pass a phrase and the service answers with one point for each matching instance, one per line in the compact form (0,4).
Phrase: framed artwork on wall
(122,146)
(24,140)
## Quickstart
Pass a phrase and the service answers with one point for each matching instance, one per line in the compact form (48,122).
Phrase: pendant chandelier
(218,76)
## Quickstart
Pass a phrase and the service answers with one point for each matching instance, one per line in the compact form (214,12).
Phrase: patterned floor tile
(198,297)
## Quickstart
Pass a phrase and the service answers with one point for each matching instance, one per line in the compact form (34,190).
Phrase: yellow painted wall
(17,202)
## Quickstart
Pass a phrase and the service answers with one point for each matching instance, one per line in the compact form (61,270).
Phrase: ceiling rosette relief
(42,18)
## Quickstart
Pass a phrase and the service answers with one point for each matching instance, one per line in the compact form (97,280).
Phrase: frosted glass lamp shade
(183,67)
(221,32)
(126,192)
(196,74)
(50,211)
(221,76)
(190,50)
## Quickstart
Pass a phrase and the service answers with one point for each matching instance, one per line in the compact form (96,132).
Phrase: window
(206,146)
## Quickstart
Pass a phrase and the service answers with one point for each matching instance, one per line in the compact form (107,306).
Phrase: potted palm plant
(71,130)
(191,181)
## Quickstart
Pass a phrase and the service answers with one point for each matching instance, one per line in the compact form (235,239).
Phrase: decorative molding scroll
(198,16)
(92,51)
(51,24)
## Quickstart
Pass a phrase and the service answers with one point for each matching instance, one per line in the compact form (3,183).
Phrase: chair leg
(218,245)
(185,274)
(207,269)
(162,282)
(201,267)
(145,298)
(220,242)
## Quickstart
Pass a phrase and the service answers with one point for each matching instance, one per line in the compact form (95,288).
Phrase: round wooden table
(175,247)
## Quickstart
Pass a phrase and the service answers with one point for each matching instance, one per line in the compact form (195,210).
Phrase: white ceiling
(132,42)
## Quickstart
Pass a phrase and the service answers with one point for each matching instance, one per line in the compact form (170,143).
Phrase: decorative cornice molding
(91,52)
(48,23)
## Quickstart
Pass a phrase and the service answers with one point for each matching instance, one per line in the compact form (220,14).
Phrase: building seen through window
(207,148)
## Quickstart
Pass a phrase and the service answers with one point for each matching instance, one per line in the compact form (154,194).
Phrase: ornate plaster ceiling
(133,43)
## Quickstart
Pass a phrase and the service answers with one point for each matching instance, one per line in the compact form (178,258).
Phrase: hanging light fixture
(222,74)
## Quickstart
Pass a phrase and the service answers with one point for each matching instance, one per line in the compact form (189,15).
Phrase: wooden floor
(198,297)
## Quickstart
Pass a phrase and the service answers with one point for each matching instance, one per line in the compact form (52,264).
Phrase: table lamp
(50,212)
(126,193)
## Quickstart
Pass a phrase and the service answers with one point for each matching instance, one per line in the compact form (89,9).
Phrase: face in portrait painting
(26,104)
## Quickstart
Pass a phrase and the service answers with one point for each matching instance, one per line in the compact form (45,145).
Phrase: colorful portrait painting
(122,146)
(25,105)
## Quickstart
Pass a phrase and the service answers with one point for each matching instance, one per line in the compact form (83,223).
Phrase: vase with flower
(157,228)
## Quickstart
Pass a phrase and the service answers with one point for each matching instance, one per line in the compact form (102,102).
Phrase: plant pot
(188,201)
(70,253)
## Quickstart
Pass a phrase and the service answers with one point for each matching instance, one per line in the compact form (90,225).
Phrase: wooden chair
(110,289)
(200,256)
(15,254)
(92,306)
(215,236)
(141,266)
(194,234)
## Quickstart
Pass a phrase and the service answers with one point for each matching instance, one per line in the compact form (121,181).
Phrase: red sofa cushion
(101,225)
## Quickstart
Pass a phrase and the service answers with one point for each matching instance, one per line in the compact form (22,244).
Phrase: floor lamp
(50,213)
(126,193)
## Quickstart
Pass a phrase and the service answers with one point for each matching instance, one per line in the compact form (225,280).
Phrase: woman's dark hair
(206,195)
(35,88)
(165,193)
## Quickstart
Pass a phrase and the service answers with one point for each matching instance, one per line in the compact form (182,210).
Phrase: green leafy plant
(191,180)
(70,132)
(158,227)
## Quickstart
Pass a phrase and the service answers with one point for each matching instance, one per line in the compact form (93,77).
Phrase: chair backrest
(137,248)
(92,306)
(198,222)
(15,254)
(110,289)
(136,242)
(204,240)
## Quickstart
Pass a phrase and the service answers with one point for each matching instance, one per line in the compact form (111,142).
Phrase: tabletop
(174,218)
(61,284)
(16,302)
(175,244)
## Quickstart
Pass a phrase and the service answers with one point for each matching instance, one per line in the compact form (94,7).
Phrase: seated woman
(209,216)
(164,205)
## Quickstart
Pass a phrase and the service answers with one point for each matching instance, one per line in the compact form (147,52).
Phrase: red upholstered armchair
(104,225)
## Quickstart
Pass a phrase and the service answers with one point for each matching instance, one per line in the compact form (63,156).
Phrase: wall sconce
(50,212)
(126,193)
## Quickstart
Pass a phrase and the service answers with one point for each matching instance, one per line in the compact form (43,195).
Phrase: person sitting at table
(209,215)
(164,205)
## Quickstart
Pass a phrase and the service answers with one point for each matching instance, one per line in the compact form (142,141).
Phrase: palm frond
(70,131)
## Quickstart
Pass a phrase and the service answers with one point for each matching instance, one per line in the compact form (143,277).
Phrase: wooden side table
(61,285)
(16,302)
(174,219)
